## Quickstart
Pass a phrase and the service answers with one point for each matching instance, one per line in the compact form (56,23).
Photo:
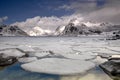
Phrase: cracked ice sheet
(117,49)
(57,48)
(85,56)
(27,60)
(39,54)
(106,51)
(4,46)
(92,43)
(59,66)
(85,49)
(114,43)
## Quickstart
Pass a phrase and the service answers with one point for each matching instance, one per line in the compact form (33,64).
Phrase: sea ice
(98,60)
(85,49)
(26,48)
(106,51)
(79,56)
(27,60)
(117,49)
(59,66)
(39,54)
(12,52)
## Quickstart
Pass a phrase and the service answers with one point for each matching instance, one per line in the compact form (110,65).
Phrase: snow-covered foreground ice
(68,55)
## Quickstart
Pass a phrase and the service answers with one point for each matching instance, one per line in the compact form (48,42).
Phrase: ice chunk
(6,46)
(56,48)
(99,60)
(12,52)
(79,56)
(117,49)
(39,54)
(28,59)
(85,49)
(59,66)
(106,51)
(26,48)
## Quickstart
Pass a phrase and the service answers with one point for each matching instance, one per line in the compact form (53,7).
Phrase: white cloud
(93,10)
(107,14)
(3,19)
(80,6)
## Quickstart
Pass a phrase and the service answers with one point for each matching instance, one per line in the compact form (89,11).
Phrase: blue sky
(20,10)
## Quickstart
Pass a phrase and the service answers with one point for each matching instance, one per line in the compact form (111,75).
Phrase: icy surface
(79,56)
(59,66)
(26,60)
(88,49)
(39,54)
(11,52)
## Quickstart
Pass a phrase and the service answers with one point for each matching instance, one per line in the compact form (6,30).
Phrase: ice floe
(79,56)
(84,49)
(12,52)
(27,59)
(98,60)
(26,48)
(70,55)
(116,49)
(39,54)
(106,51)
(59,66)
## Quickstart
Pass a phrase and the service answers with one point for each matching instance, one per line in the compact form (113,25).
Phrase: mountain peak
(11,31)
(74,21)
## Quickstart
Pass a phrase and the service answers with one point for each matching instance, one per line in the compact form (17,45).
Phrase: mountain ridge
(6,30)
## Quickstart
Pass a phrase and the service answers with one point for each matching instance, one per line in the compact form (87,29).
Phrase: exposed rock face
(11,31)
(112,67)
(10,56)
(115,35)
(71,29)
(7,61)
(76,27)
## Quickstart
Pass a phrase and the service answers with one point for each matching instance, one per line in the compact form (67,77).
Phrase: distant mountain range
(73,28)
(11,31)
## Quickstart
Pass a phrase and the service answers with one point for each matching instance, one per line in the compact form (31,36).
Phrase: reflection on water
(15,72)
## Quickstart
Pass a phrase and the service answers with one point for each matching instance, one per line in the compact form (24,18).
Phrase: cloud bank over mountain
(96,10)
(45,23)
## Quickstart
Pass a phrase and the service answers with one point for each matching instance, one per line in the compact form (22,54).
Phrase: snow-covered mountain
(11,31)
(76,27)
(37,31)
(59,30)
(73,28)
